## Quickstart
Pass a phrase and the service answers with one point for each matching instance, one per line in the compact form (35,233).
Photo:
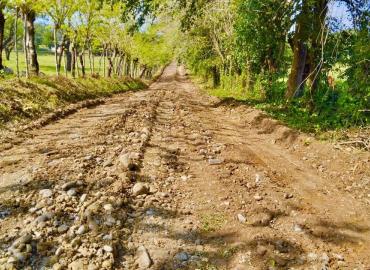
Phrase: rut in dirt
(169,178)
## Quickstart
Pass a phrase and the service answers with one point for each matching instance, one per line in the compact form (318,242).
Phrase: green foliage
(44,35)
(261,28)
(159,36)
(255,55)
(358,61)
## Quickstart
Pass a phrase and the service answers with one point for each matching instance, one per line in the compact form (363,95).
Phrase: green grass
(335,110)
(26,99)
(212,222)
(46,62)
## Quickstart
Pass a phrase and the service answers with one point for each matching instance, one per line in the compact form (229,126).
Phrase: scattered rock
(140,189)
(128,161)
(258,178)
(261,250)
(108,207)
(22,240)
(215,161)
(297,228)
(43,218)
(71,184)
(182,256)
(71,192)
(57,266)
(81,230)
(83,198)
(63,228)
(46,193)
(76,265)
(108,249)
(257,197)
(241,218)
(311,257)
(143,258)
(339,257)
(288,195)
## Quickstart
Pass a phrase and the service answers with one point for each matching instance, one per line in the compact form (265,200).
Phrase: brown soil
(305,203)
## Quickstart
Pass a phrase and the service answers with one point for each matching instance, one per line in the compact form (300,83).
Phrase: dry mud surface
(168,178)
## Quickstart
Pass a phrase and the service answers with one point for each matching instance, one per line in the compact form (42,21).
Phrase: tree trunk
(56,49)
(110,65)
(73,60)
(7,53)
(68,53)
(60,56)
(143,72)
(31,45)
(90,61)
(104,54)
(82,62)
(296,80)
(317,41)
(25,49)
(215,76)
(15,41)
(296,77)
(76,61)
(2,28)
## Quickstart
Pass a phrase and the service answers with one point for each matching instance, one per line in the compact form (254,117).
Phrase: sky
(340,12)
(336,10)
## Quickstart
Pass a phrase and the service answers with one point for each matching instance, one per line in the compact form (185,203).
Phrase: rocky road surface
(169,178)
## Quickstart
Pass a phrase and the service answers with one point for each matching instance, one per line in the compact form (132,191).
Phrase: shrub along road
(169,178)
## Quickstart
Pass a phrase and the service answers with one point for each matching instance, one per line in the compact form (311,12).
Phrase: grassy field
(46,62)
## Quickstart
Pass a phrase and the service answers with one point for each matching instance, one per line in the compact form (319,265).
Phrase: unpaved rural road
(169,178)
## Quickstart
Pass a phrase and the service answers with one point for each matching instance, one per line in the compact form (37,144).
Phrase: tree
(2,30)
(308,40)
(59,11)
(29,9)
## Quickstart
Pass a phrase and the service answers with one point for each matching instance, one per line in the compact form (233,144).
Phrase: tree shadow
(336,233)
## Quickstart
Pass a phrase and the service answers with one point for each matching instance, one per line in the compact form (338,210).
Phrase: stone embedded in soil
(182,256)
(339,257)
(43,218)
(128,161)
(63,228)
(46,193)
(108,207)
(71,184)
(297,228)
(215,161)
(257,197)
(81,230)
(288,195)
(108,249)
(22,240)
(241,218)
(83,198)
(140,189)
(261,250)
(143,258)
(72,192)
(76,265)
(258,178)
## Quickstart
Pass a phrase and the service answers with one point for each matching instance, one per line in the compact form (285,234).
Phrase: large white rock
(143,258)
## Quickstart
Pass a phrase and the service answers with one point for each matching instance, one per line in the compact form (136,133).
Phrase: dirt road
(169,178)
